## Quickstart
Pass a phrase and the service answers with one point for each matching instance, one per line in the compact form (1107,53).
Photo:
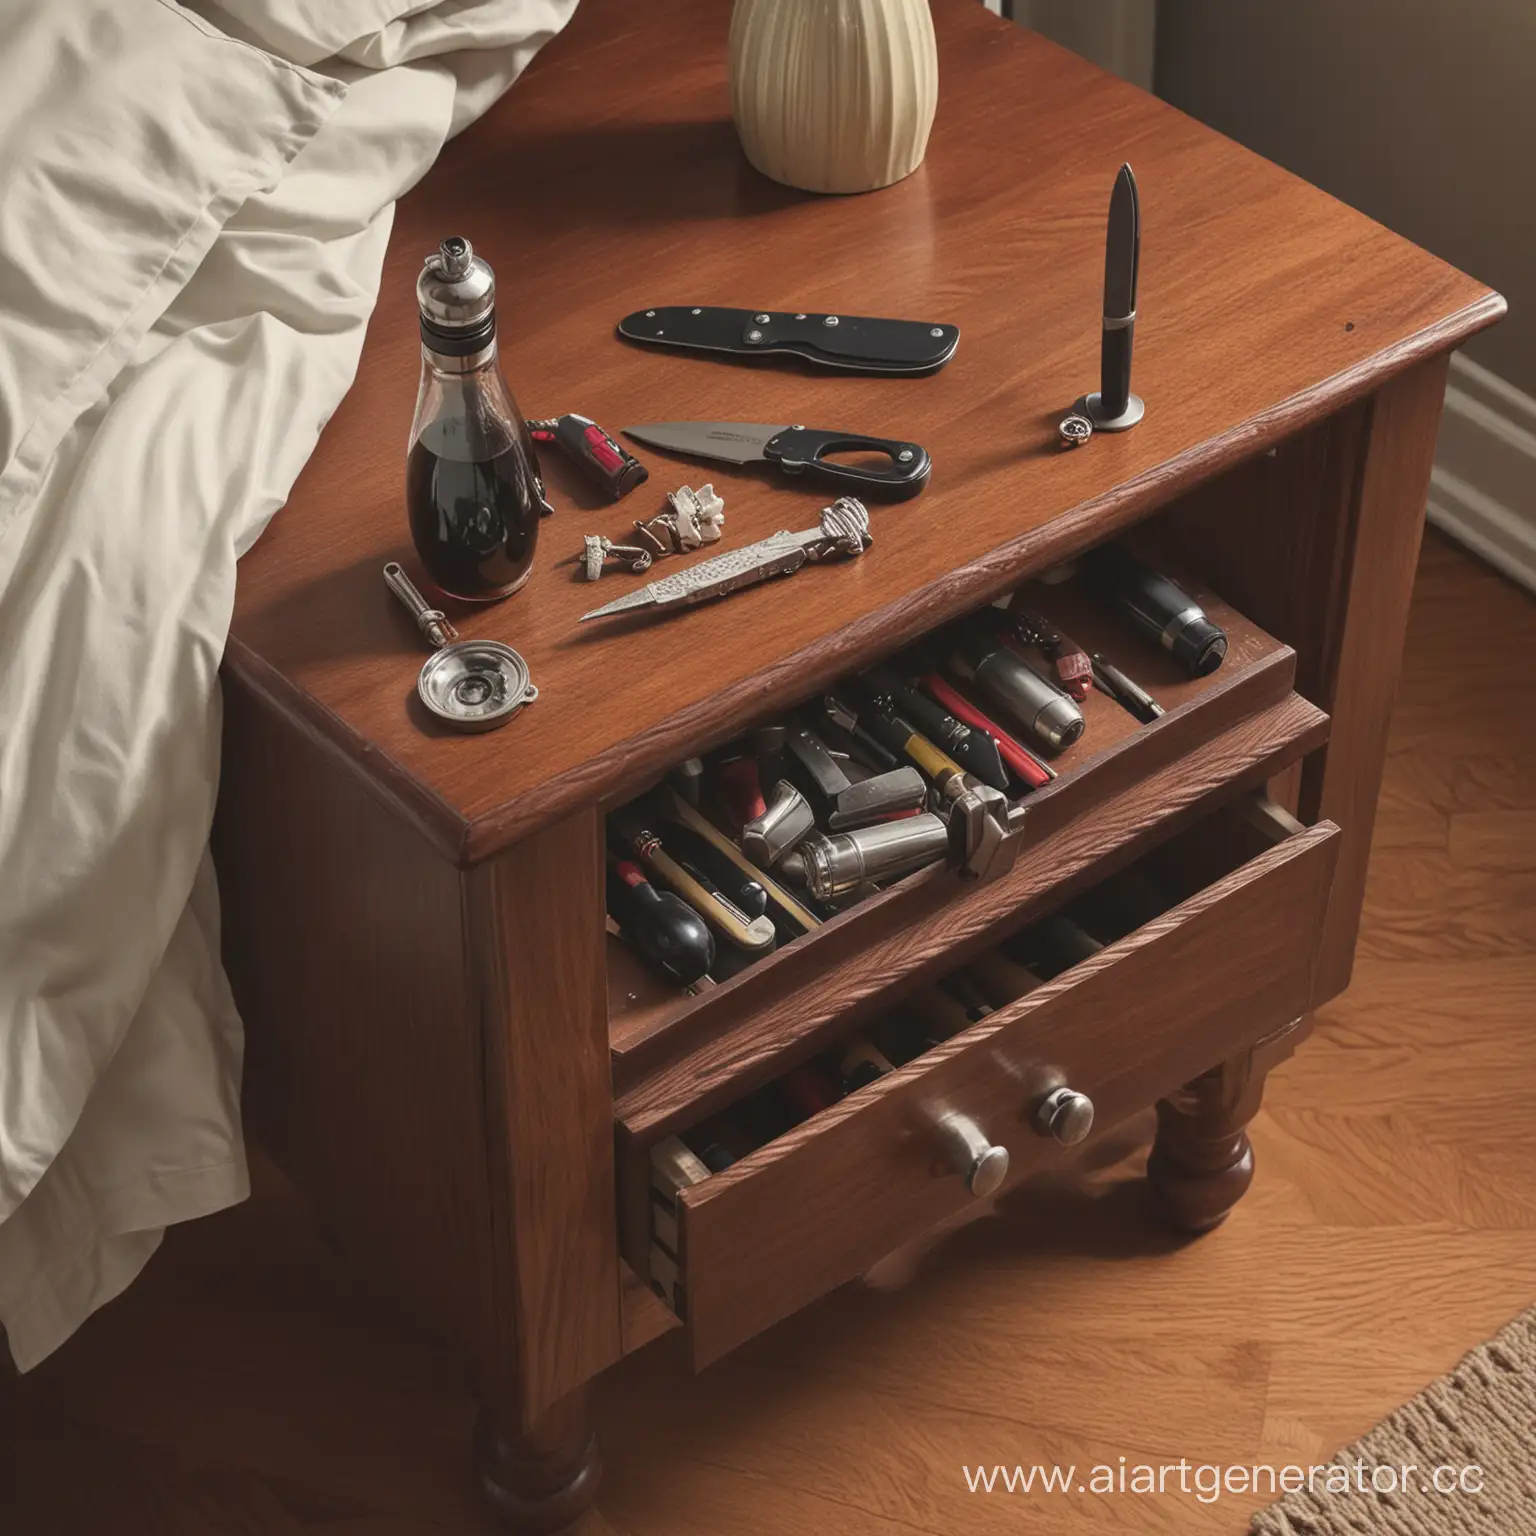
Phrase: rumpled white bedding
(157,402)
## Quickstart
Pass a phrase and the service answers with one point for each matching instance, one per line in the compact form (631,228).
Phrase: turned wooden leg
(1202,1160)
(541,1480)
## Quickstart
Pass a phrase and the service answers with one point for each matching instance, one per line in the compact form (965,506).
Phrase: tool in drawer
(844,529)
(1162,610)
(918,1023)
(842,803)
(674,1167)
(1074,670)
(965,990)
(981,655)
(1002,979)
(808,1089)
(640,840)
(787,820)
(861,1062)
(661,927)
(1054,944)
(833,713)
(782,905)
(974,751)
(833,868)
(1029,770)
(1128,694)
(977,814)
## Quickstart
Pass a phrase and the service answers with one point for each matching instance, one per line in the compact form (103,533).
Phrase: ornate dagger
(844,530)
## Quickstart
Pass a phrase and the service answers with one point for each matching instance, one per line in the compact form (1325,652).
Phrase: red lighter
(606,463)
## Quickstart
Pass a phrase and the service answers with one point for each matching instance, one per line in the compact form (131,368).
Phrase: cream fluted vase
(834,95)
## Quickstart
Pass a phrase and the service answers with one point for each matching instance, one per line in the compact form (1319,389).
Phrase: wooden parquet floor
(246,1386)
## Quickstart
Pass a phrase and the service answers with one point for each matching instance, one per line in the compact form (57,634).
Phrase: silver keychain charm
(1075,429)
(596,551)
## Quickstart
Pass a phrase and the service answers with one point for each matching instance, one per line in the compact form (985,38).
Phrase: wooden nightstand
(446,1049)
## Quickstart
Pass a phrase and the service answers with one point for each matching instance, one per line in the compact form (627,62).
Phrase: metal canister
(834,867)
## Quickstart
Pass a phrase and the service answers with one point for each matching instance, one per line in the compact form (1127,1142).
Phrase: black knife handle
(857,343)
(797,449)
(1115,368)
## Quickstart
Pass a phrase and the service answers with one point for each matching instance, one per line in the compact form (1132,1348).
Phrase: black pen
(1127,694)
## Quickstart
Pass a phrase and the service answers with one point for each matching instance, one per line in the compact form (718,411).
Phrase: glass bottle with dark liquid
(472,484)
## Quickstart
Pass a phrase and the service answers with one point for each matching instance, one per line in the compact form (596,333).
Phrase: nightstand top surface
(610,179)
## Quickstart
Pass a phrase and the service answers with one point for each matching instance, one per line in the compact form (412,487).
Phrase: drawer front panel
(1126,1027)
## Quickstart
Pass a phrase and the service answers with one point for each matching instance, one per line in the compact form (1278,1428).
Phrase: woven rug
(1470,1440)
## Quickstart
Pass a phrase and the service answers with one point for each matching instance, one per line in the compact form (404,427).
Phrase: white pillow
(130,130)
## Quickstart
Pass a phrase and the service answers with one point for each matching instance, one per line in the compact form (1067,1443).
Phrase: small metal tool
(472,685)
(596,551)
(787,821)
(844,803)
(1130,695)
(844,530)
(837,866)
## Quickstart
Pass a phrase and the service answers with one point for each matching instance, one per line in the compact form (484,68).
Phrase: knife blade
(1122,260)
(795,450)
(856,343)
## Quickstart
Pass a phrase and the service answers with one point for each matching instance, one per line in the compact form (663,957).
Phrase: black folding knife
(853,342)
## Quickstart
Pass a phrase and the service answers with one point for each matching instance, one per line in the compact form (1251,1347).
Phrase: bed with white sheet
(194,205)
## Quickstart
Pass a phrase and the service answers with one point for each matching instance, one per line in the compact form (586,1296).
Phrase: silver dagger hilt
(843,530)
(432,622)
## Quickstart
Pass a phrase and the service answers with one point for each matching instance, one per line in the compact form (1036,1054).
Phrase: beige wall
(1422,113)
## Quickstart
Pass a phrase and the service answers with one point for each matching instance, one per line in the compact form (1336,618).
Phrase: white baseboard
(1483,489)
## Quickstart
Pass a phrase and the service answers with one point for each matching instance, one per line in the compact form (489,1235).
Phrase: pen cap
(1198,645)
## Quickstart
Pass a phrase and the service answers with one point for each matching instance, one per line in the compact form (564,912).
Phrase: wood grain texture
(1319,544)
(1261,312)
(404,1066)
(247,1385)
(537,921)
(1112,754)
(1202,1160)
(1385,530)
(938,926)
(345,939)
(1133,1022)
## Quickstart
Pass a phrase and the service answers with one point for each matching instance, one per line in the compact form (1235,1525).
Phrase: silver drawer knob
(1065,1115)
(975,1159)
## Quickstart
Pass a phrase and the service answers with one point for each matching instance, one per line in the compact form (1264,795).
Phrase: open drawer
(1228,961)
(1123,785)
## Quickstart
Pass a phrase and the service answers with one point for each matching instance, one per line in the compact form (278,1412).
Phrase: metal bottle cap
(1059,723)
(456,294)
